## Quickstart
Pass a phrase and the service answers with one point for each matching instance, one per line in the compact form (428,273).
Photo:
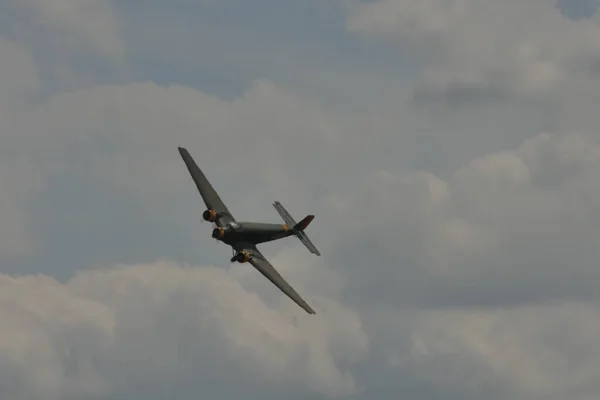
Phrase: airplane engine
(210,215)
(241,257)
(218,233)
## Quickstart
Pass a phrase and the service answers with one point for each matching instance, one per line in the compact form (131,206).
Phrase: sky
(448,148)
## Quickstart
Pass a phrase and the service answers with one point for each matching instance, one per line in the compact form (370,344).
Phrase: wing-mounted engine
(210,215)
(241,257)
(218,233)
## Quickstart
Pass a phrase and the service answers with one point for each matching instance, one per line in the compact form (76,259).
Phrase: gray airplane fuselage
(251,232)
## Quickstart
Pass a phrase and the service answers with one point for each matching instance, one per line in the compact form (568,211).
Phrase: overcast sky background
(449,149)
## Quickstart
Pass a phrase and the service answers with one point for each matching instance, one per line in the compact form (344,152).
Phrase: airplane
(244,236)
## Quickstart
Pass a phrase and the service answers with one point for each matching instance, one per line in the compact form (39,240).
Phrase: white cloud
(508,228)
(480,50)
(144,328)
(75,42)
(266,138)
(535,352)
(122,331)
(76,25)
(140,125)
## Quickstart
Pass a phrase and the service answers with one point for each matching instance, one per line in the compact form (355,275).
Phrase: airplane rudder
(300,226)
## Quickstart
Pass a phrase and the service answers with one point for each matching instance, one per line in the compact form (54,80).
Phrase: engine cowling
(218,233)
(242,257)
(210,215)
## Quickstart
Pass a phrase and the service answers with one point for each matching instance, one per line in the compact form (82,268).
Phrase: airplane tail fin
(298,228)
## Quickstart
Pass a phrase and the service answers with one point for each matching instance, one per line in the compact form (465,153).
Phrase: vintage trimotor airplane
(244,236)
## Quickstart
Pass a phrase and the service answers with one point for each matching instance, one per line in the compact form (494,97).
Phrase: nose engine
(241,257)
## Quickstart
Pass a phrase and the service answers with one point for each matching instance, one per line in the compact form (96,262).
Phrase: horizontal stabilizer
(287,218)
(297,228)
(306,242)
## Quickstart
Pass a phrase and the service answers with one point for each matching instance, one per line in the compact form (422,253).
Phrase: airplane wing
(208,193)
(264,267)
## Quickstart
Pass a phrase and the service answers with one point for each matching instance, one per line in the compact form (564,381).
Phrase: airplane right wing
(264,267)
(208,193)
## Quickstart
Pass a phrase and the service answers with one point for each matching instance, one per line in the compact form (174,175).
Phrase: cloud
(261,138)
(77,42)
(19,82)
(509,228)
(473,276)
(578,9)
(152,329)
(19,72)
(125,137)
(532,352)
(470,55)
(94,25)
(148,328)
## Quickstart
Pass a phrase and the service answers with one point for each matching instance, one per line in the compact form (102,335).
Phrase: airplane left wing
(264,267)
(209,194)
